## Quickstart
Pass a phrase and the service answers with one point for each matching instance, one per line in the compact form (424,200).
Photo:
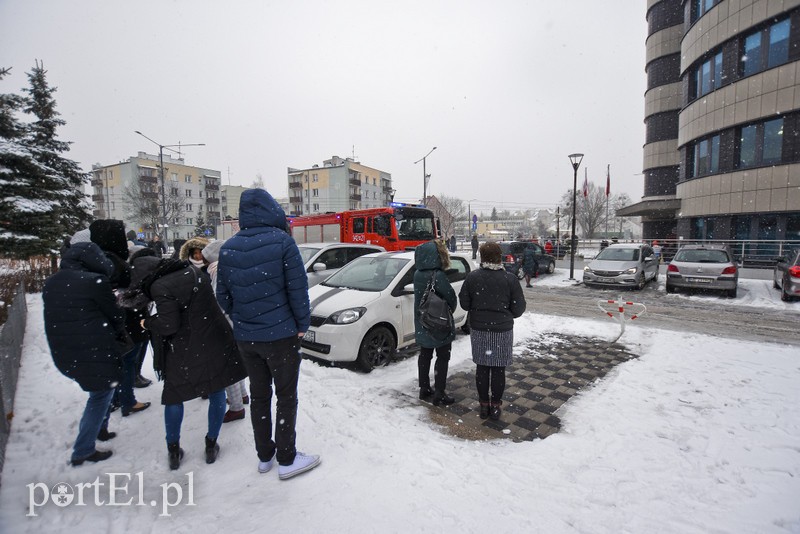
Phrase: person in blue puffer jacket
(262,286)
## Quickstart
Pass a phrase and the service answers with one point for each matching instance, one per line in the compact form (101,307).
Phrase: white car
(365,311)
(323,259)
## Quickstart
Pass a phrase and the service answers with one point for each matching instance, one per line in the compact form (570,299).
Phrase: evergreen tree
(201,227)
(65,180)
(27,214)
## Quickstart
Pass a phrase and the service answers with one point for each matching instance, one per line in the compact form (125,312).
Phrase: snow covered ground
(698,435)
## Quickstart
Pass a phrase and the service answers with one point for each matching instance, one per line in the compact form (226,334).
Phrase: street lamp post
(425,176)
(575,160)
(161,175)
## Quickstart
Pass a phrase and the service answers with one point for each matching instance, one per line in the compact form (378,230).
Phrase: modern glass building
(722,116)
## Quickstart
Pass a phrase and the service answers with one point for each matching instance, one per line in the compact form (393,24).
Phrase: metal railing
(11,338)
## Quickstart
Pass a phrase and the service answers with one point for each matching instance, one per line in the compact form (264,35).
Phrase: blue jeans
(124,395)
(95,418)
(173,417)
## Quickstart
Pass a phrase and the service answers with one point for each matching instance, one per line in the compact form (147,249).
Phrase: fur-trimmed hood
(193,243)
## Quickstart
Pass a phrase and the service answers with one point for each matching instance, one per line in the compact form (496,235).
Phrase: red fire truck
(395,227)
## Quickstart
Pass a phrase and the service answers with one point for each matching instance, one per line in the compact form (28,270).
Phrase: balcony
(148,179)
(295,200)
(355,197)
(212,187)
(295,185)
(150,194)
(212,201)
(355,181)
(387,189)
(98,198)
(97,182)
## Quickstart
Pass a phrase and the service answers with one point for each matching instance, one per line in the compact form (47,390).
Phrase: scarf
(492,266)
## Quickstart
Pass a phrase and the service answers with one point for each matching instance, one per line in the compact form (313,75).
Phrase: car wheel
(732,293)
(641,282)
(670,289)
(785,297)
(376,349)
(551,267)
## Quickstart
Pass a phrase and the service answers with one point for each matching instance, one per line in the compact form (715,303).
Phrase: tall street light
(161,173)
(425,177)
(575,160)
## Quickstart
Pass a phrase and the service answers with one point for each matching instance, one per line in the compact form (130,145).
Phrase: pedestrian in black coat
(193,348)
(493,298)
(85,330)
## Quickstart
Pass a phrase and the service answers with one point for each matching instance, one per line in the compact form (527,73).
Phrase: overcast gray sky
(505,90)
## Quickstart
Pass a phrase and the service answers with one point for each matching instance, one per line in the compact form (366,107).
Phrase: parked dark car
(513,251)
(786,275)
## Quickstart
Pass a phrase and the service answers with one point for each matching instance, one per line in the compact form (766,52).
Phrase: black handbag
(434,313)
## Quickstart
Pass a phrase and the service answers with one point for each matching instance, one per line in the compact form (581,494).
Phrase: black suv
(514,251)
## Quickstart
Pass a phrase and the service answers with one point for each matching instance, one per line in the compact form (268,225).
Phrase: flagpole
(608,183)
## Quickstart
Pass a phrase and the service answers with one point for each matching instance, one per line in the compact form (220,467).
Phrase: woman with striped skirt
(493,298)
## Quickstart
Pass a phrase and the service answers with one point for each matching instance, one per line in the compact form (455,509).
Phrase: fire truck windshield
(415,227)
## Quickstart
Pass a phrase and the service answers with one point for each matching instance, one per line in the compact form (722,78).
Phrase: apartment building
(340,184)
(192,194)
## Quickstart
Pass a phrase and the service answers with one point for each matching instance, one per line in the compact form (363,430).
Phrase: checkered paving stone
(545,374)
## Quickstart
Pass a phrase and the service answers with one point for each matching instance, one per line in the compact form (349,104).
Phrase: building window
(188,193)
(189,221)
(705,156)
(188,207)
(316,207)
(187,178)
(173,177)
(315,192)
(708,76)
(766,48)
(761,143)
(701,7)
(315,177)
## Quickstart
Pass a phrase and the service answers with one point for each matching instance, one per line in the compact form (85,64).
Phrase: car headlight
(632,270)
(350,315)
(586,269)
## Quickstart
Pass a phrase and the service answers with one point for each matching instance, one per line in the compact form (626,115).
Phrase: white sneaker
(302,463)
(264,467)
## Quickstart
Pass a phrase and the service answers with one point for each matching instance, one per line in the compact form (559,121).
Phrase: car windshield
(618,254)
(307,252)
(414,225)
(367,273)
(702,256)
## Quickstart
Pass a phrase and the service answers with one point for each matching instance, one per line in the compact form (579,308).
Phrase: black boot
(494,410)
(212,450)
(105,435)
(175,455)
(484,410)
(425,392)
(442,398)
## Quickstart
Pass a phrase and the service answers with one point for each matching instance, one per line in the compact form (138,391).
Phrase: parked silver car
(622,264)
(710,267)
(323,259)
(786,275)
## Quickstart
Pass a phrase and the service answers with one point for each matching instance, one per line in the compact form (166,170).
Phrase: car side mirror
(317,267)
(408,289)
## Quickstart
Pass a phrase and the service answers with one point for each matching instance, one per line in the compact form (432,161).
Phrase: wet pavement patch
(546,372)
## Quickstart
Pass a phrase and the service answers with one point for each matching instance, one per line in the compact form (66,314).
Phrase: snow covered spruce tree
(28,222)
(65,180)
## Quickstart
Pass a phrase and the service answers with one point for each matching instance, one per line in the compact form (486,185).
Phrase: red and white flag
(585,182)
(608,180)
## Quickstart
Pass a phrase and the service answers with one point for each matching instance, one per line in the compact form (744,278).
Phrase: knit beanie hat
(211,252)
(81,236)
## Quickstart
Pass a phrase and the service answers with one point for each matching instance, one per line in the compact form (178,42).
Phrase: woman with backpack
(431,259)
